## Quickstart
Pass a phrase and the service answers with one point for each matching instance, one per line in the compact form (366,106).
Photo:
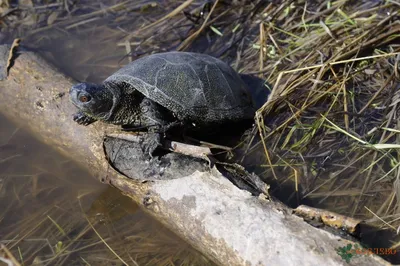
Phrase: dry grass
(330,128)
(333,110)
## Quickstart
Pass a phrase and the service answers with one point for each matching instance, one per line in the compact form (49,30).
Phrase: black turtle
(161,90)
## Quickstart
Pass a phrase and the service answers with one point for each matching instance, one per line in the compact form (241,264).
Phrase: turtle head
(93,100)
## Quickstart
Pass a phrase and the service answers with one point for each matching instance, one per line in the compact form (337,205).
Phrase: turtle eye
(84,98)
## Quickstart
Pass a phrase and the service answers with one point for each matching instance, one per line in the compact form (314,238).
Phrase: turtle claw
(150,143)
(83,119)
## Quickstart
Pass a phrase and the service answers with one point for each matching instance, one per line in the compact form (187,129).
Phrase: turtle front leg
(83,119)
(157,120)
(151,142)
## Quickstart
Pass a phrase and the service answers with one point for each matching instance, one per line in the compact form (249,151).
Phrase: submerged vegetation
(329,131)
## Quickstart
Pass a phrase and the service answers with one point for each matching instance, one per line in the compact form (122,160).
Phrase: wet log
(225,223)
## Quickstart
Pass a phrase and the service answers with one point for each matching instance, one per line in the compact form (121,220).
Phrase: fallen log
(225,223)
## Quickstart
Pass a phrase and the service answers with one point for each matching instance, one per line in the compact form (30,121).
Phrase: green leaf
(216,31)
(59,246)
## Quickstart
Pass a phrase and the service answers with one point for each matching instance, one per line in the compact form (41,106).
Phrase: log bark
(228,225)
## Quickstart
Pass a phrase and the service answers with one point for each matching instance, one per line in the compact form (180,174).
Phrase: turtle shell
(195,87)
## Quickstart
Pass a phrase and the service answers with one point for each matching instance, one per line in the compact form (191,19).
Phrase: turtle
(163,90)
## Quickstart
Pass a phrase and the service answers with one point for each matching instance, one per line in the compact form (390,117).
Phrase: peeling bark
(227,224)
